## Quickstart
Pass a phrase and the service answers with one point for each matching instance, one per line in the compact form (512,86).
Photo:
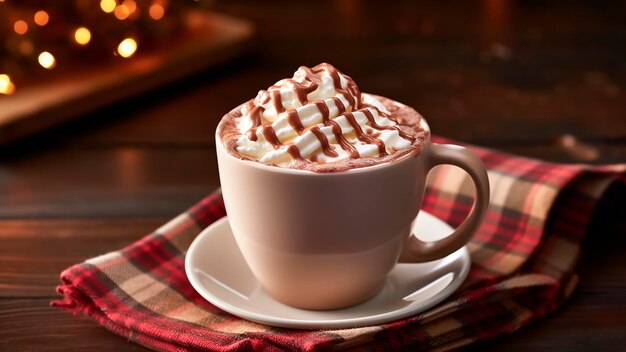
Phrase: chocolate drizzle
(305,82)
(335,76)
(340,107)
(323,108)
(370,118)
(390,117)
(348,97)
(301,90)
(343,142)
(255,117)
(345,145)
(294,121)
(295,153)
(351,93)
(277,99)
(326,148)
(270,136)
(364,137)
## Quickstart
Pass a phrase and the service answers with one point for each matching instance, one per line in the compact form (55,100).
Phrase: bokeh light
(82,36)
(157,11)
(6,86)
(20,27)
(47,60)
(131,5)
(127,47)
(122,12)
(41,18)
(108,6)
(44,34)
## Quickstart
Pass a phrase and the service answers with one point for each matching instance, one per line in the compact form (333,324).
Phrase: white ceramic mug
(328,240)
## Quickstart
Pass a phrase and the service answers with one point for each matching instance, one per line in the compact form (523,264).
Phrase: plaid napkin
(523,261)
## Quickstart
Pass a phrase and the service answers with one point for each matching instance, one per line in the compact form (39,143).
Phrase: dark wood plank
(106,182)
(32,325)
(34,252)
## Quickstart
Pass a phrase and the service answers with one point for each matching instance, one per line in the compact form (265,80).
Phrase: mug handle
(417,251)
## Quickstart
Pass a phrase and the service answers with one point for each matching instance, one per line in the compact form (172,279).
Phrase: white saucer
(218,271)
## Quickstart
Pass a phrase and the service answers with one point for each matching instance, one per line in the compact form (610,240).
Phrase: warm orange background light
(47,60)
(156,11)
(20,27)
(131,5)
(82,36)
(41,18)
(108,5)
(127,47)
(122,12)
(6,86)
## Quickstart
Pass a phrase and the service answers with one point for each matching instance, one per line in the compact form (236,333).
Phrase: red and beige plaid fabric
(523,261)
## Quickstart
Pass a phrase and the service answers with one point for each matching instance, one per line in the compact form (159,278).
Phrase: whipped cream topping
(319,115)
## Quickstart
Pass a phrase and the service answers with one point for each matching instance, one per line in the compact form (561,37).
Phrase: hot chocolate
(327,239)
(319,120)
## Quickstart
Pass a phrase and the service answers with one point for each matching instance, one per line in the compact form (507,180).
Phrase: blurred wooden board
(213,39)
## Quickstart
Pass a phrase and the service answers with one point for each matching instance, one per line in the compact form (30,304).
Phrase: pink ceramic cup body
(328,240)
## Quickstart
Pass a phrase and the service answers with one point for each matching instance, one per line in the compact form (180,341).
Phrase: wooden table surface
(542,79)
